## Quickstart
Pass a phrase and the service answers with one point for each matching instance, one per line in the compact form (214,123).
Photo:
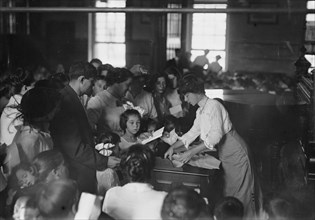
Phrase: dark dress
(72,135)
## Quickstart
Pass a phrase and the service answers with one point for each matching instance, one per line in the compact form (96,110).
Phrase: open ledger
(157,134)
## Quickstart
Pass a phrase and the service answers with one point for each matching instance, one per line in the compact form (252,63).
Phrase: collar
(138,187)
(203,101)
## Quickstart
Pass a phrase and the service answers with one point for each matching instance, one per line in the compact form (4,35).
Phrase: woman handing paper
(213,125)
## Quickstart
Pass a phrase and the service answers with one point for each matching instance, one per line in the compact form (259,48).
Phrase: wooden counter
(165,176)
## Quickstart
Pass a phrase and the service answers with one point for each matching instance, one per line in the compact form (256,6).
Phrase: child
(130,124)
(151,125)
(229,208)
(108,146)
(23,175)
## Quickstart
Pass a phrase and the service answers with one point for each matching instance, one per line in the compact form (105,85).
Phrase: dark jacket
(72,135)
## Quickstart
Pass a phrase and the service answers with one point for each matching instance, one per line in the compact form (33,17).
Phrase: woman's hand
(169,153)
(186,156)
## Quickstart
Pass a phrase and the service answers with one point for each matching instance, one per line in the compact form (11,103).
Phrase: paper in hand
(157,134)
(89,206)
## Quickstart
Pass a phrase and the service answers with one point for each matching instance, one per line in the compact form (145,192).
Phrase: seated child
(229,208)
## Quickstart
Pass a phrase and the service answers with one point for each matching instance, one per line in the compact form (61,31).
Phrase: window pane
(109,41)
(211,56)
(174,26)
(311,5)
(114,54)
(209,32)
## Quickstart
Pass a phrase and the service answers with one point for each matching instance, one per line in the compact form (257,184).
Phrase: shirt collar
(138,187)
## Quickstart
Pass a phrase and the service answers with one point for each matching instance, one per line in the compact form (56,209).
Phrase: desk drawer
(167,180)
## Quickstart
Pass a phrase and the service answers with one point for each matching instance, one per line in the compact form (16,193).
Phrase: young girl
(21,179)
(23,175)
(130,124)
(108,146)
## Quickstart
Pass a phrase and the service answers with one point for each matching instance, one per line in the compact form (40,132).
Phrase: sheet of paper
(176,109)
(155,135)
(89,206)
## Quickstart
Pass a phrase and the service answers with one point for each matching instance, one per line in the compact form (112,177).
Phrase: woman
(38,107)
(105,108)
(215,129)
(136,199)
(158,89)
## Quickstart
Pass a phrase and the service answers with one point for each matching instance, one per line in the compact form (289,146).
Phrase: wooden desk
(165,177)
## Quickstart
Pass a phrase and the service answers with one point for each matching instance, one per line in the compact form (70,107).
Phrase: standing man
(72,134)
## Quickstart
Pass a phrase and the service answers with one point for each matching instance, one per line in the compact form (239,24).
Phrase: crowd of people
(80,132)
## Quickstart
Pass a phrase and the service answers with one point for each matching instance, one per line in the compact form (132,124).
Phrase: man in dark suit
(71,131)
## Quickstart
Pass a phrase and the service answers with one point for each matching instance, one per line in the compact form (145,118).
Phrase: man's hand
(113,162)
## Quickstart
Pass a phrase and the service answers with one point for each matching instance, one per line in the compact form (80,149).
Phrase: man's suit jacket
(72,135)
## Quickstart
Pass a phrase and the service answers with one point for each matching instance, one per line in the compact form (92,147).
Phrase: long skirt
(240,180)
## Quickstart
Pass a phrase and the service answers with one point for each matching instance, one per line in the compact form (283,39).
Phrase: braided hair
(138,163)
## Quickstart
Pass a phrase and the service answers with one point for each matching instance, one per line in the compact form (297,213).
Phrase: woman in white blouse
(213,125)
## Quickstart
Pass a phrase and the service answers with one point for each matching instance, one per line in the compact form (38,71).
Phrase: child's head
(22,175)
(100,84)
(50,165)
(138,163)
(110,138)
(229,208)
(58,199)
(171,128)
(130,121)
(151,125)
(183,203)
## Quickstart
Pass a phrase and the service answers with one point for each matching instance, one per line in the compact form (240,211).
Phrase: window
(173,32)
(109,34)
(310,35)
(209,32)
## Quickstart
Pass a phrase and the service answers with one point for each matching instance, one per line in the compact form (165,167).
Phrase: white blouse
(211,124)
